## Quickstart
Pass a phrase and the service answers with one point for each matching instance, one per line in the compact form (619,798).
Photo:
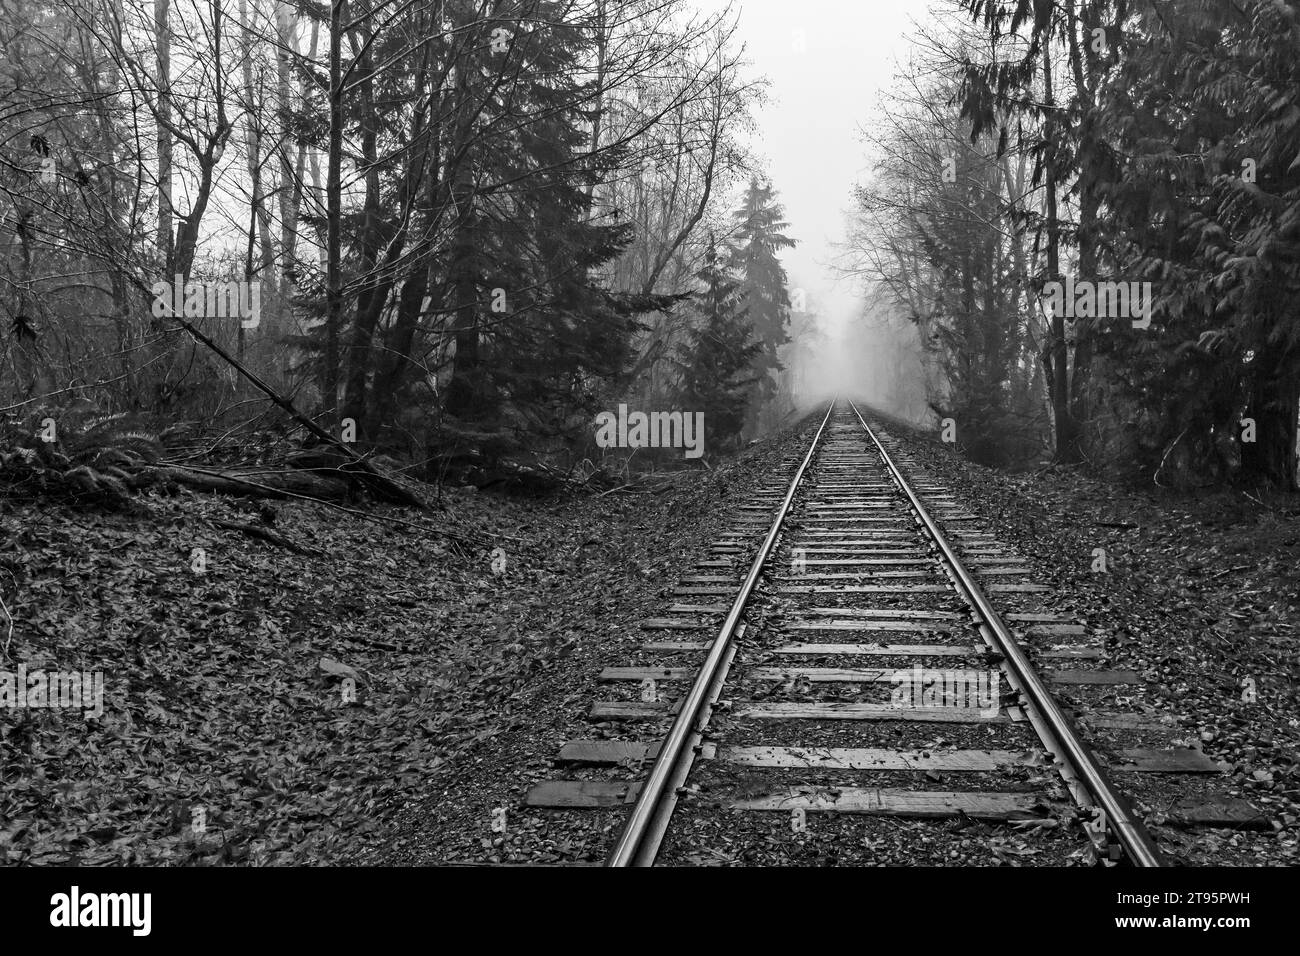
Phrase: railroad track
(840,658)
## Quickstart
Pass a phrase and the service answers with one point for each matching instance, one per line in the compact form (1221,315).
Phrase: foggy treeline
(1093,143)
(468,225)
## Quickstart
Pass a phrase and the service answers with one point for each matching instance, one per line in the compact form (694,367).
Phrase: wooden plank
(1071,630)
(865,589)
(761,710)
(867,562)
(1168,760)
(866,548)
(827,510)
(606,751)
(1110,720)
(673,624)
(631,709)
(672,647)
(841,500)
(880,650)
(1137,760)
(868,625)
(1023,616)
(852,527)
(1219,810)
(568,794)
(699,608)
(874,675)
(832,545)
(646,673)
(872,758)
(843,486)
(890,802)
(855,534)
(857,575)
(871,675)
(900,522)
(596,752)
(874,526)
(897,614)
(1017,588)
(1094,677)
(835,540)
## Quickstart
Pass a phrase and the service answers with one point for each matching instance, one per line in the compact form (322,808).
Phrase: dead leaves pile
(255,713)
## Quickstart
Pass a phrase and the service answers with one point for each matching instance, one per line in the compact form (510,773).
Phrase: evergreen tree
(1203,188)
(718,358)
(759,235)
(534,332)
(477,226)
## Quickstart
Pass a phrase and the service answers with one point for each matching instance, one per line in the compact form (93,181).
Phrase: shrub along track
(863,700)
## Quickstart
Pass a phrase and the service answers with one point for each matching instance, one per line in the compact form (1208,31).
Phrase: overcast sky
(828,62)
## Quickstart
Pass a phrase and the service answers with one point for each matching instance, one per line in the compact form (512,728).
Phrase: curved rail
(1051,722)
(644,828)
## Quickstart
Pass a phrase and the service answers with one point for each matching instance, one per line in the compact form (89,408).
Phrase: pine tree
(477,225)
(759,235)
(718,358)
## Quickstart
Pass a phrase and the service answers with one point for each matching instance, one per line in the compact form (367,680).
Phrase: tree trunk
(163,39)
(1067,436)
(1271,459)
(290,172)
(253,142)
(334,213)
(1080,51)
(464,392)
(374,287)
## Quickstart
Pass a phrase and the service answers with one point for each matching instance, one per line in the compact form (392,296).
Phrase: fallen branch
(387,488)
(1219,574)
(8,616)
(372,517)
(253,531)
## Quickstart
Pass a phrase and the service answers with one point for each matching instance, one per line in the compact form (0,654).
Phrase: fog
(873,355)
(829,62)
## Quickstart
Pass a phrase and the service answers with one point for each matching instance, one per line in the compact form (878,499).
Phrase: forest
(411,410)
(313,246)
(1031,145)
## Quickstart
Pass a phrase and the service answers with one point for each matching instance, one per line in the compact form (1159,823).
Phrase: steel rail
(638,841)
(1132,835)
